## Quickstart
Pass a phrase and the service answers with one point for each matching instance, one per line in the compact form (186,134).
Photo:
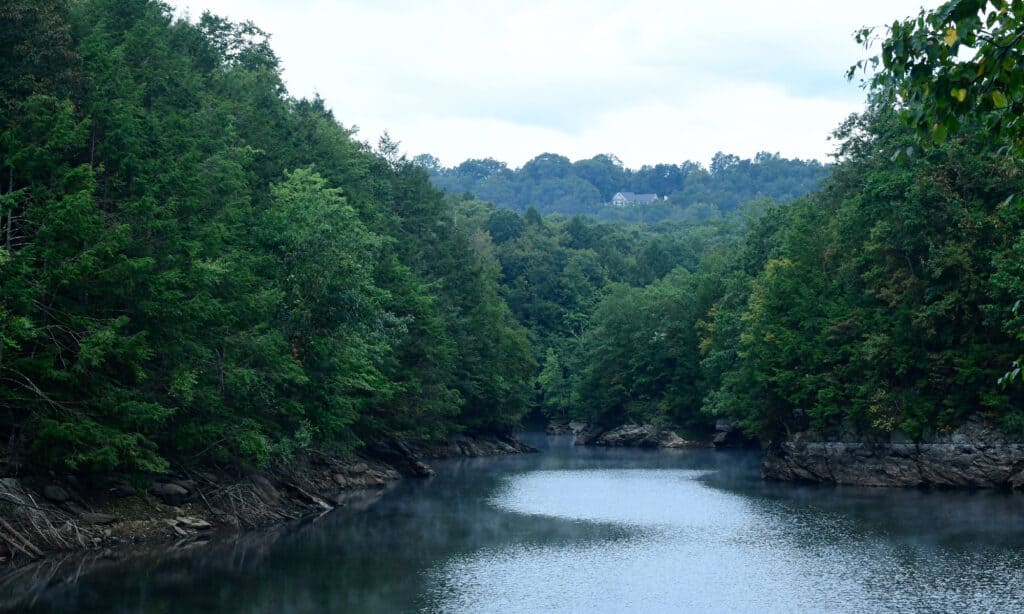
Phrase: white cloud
(651,81)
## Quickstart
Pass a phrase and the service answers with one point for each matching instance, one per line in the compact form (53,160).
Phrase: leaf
(939,133)
(950,36)
(959,93)
(999,99)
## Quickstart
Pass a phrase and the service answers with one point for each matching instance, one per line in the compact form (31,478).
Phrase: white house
(621,199)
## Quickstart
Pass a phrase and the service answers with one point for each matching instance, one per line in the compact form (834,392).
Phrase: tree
(505,225)
(554,387)
(605,172)
(173,291)
(961,62)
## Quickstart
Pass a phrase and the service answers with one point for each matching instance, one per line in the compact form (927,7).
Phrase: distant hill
(554,184)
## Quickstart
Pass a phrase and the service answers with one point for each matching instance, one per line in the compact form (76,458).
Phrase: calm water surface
(589,530)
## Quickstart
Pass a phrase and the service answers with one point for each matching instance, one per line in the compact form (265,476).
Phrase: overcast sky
(649,81)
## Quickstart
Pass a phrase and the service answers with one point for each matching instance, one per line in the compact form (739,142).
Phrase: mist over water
(595,530)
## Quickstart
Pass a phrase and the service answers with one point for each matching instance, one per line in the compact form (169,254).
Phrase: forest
(687,191)
(197,267)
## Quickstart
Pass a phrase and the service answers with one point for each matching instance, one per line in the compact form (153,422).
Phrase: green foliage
(959,62)
(552,184)
(195,267)
(874,304)
(642,362)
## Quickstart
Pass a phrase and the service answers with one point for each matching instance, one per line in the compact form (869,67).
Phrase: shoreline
(962,465)
(974,456)
(43,517)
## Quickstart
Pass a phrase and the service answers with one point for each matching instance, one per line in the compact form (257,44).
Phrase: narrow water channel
(592,530)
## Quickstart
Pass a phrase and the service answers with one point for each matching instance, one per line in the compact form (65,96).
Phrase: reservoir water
(586,530)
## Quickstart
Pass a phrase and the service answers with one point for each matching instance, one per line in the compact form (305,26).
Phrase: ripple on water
(693,548)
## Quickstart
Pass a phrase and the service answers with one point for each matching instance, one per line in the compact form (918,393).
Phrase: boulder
(727,434)
(121,488)
(169,492)
(188,485)
(632,435)
(97,518)
(970,465)
(669,439)
(642,436)
(467,446)
(399,456)
(585,434)
(558,428)
(55,493)
(191,522)
(266,491)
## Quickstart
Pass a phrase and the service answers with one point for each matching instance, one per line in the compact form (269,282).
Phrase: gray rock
(122,489)
(978,430)
(974,465)
(209,477)
(727,434)
(807,436)
(265,490)
(191,522)
(899,436)
(401,457)
(168,492)
(56,493)
(669,439)
(585,434)
(634,435)
(641,436)
(576,427)
(98,518)
(465,446)
(558,428)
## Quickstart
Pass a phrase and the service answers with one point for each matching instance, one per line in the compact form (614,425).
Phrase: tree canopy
(689,192)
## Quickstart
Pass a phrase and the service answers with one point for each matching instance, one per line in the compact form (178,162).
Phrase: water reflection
(588,530)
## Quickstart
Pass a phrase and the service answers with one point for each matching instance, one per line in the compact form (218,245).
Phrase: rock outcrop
(974,456)
(469,446)
(728,434)
(41,516)
(558,428)
(631,435)
(401,457)
(641,436)
(584,434)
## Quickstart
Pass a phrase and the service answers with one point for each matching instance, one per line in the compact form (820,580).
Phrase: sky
(650,81)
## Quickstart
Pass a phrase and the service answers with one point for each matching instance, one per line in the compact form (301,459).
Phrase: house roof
(631,197)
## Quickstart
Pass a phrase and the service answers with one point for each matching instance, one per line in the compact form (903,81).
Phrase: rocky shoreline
(976,455)
(954,465)
(627,435)
(44,515)
(727,434)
